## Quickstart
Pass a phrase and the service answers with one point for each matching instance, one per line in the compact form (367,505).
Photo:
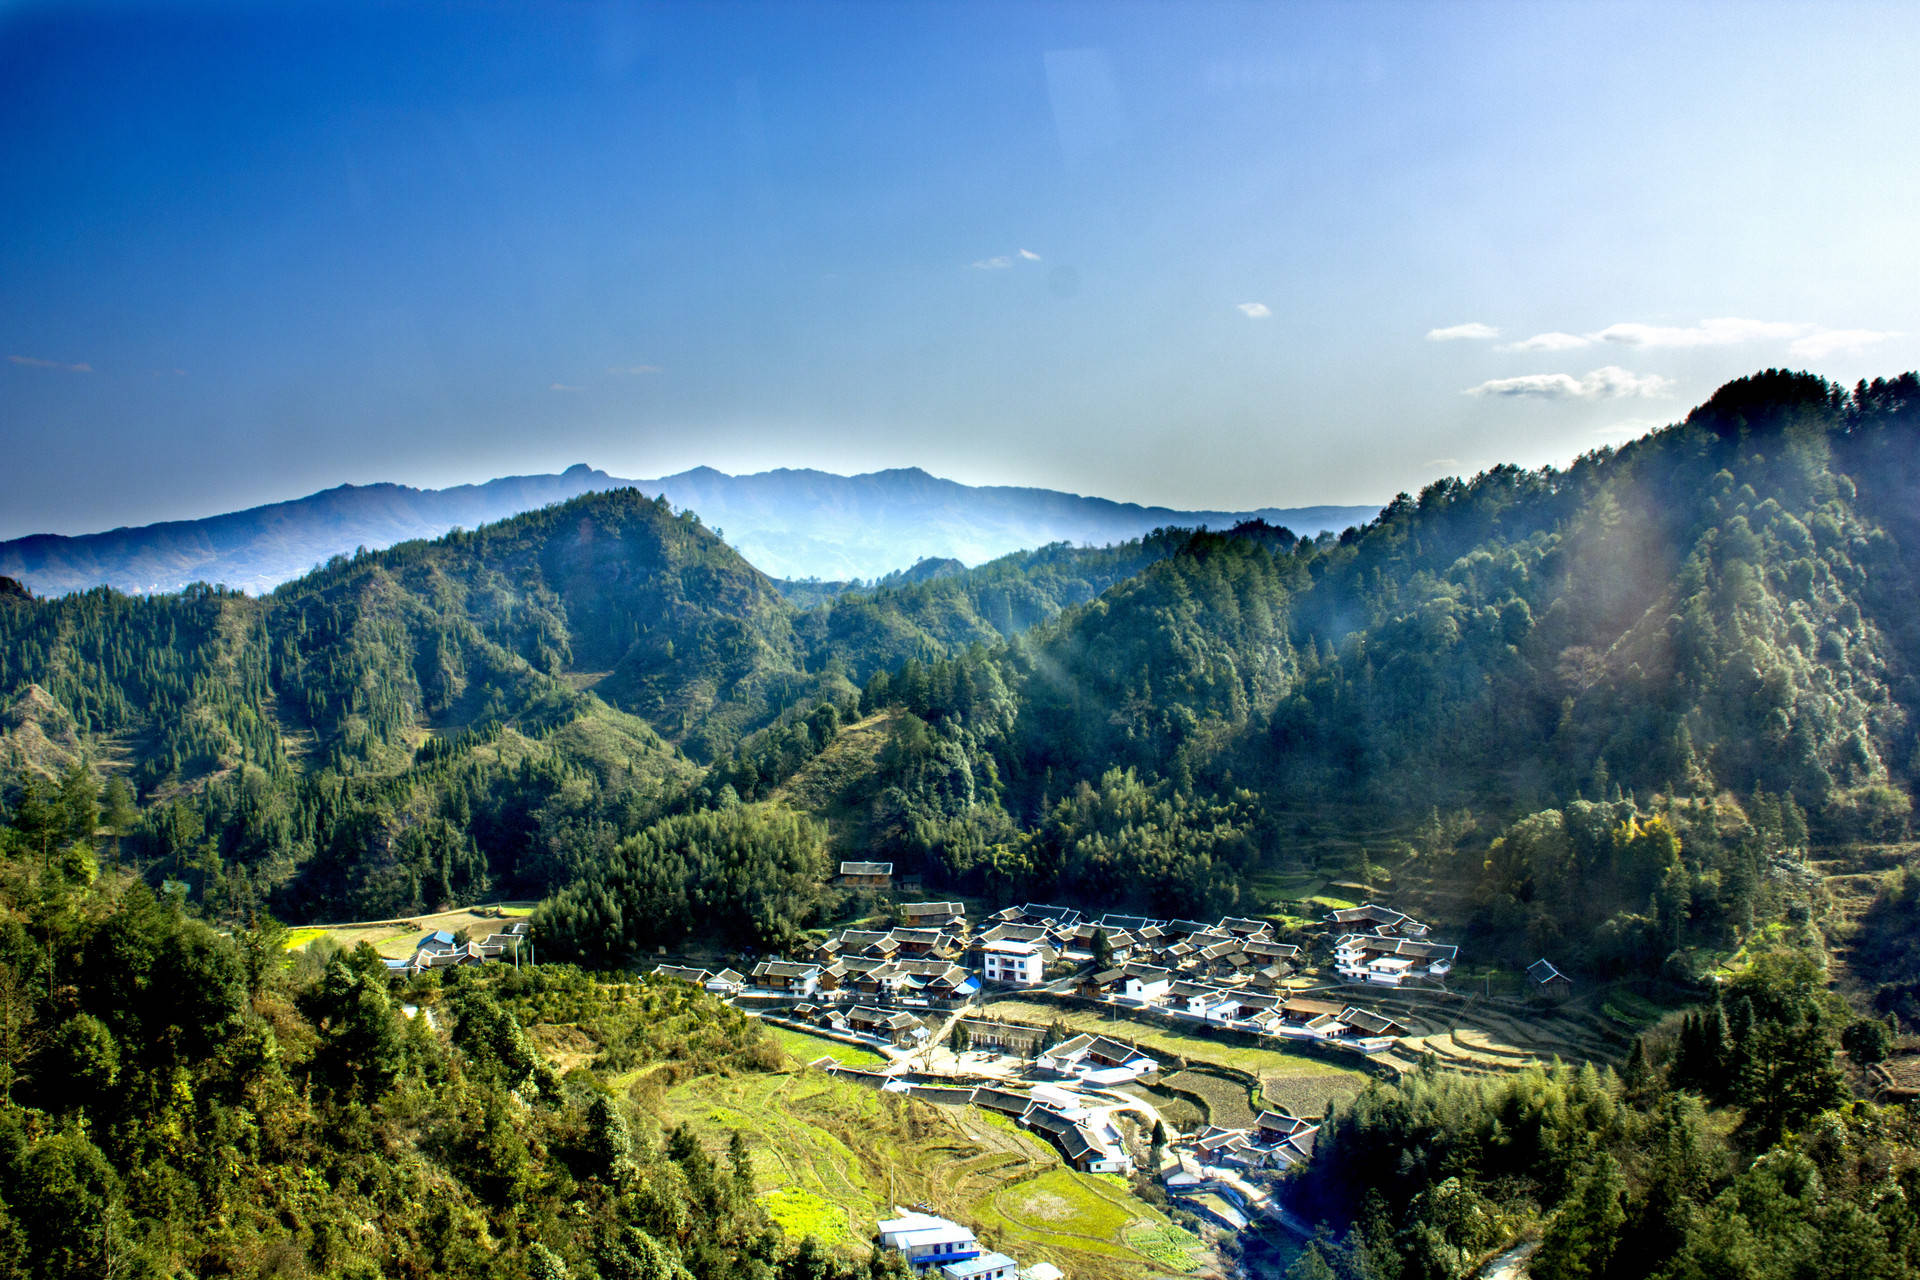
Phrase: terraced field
(1224,1098)
(1097,1214)
(830,1158)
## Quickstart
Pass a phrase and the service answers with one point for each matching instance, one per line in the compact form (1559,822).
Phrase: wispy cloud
(632,370)
(1555,341)
(561,386)
(1473,330)
(35,362)
(1822,343)
(1608,383)
(1254,310)
(1726,331)
(1001,261)
(1808,341)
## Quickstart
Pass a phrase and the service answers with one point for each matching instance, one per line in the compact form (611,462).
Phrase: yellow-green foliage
(807,1048)
(831,1158)
(800,1213)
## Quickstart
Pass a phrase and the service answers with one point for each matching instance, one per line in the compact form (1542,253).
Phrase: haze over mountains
(789,523)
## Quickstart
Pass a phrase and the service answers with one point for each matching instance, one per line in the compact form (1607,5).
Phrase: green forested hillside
(1705,626)
(1637,714)
(174,1101)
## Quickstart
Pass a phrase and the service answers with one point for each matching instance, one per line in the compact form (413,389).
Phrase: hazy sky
(1194,254)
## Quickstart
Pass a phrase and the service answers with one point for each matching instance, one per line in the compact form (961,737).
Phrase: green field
(806,1048)
(1097,1213)
(395,939)
(830,1158)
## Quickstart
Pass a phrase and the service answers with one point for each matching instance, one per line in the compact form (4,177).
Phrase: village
(923,987)
(921,993)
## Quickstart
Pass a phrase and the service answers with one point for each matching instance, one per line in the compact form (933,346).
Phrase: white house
(1370,957)
(1146,983)
(988,1266)
(928,1241)
(1017,964)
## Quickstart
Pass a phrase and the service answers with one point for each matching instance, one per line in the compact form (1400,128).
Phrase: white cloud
(1726,331)
(1545,386)
(1254,310)
(1000,263)
(1608,383)
(1822,343)
(632,370)
(1030,255)
(1555,341)
(35,362)
(561,386)
(1806,341)
(1457,332)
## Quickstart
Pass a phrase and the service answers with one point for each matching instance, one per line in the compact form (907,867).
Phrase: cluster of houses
(928,1241)
(440,949)
(915,963)
(1233,974)
(894,1027)
(1276,1140)
(1387,947)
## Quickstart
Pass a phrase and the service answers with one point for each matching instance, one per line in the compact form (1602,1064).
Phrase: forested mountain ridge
(1716,608)
(795,523)
(1616,712)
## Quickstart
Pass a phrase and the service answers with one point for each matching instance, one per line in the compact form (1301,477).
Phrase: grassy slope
(395,939)
(831,1158)
(832,787)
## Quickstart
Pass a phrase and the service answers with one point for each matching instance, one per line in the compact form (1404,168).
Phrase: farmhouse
(867,875)
(1076,1142)
(790,976)
(697,977)
(927,1241)
(1549,982)
(1370,957)
(1371,1025)
(1313,1019)
(1098,1054)
(988,1266)
(1375,918)
(1009,1037)
(923,942)
(896,1028)
(934,915)
(868,942)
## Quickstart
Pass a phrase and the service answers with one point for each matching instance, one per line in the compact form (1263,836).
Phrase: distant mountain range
(793,524)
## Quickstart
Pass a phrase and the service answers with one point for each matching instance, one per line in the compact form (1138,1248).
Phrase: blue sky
(1196,254)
